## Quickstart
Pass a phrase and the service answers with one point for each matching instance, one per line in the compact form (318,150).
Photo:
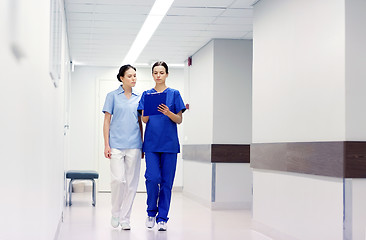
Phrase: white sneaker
(125,226)
(114,222)
(150,222)
(162,226)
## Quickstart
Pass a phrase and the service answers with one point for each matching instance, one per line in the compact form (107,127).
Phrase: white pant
(125,173)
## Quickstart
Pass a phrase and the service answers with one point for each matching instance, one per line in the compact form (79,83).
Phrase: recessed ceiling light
(156,15)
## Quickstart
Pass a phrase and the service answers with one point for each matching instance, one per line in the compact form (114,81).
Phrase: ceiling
(101,31)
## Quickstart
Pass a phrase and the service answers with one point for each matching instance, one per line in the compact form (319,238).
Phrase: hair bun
(122,71)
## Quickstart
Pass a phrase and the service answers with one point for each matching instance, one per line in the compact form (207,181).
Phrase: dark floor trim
(217,153)
(334,159)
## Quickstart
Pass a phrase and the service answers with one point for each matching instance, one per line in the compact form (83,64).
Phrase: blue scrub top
(124,130)
(161,133)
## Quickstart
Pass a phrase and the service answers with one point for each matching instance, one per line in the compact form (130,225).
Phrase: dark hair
(160,63)
(123,70)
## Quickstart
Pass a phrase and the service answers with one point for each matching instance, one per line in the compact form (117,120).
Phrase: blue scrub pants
(160,172)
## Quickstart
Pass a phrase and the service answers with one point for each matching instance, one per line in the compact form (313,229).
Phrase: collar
(121,90)
(166,89)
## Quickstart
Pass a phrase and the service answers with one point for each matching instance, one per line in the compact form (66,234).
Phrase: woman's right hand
(107,152)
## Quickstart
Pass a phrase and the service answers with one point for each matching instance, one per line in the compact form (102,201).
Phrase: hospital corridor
(189,220)
(229,119)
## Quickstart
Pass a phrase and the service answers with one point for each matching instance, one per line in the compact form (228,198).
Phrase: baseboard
(58,230)
(198,199)
(177,189)
(174,189)
(270,232)
(231,205)
(219,205)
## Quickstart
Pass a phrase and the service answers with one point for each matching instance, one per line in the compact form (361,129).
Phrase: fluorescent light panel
(156,15)
(171,65)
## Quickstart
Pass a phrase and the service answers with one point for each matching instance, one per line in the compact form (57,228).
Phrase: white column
(218,90)
(307,87)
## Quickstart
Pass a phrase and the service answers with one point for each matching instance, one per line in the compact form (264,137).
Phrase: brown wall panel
(355,160)
(227,153)
(217,153)
(334,159)
(199,152)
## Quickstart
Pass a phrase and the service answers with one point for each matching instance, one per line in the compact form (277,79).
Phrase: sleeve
(178,103)
(141,103)
(108,104)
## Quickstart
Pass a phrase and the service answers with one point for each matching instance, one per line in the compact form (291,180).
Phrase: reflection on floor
(189,220)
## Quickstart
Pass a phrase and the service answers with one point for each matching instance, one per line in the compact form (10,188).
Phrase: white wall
(302,206)
(198,120)
(218,86)
(232,101)
(83,115)
(233,186)
(219,185)
(84,111)
(32,145)
(308,81)
(198,181)
(355,70)
(298,68)
(355,114)
(358,210)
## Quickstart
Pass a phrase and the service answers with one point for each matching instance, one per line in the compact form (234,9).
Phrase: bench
(81,175)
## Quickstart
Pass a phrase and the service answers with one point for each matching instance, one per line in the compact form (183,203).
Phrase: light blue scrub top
(161,133)
(124,130)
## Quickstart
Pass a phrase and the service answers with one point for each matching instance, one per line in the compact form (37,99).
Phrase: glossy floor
(188,220)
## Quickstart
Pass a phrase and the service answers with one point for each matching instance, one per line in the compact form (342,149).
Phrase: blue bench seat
(82,175)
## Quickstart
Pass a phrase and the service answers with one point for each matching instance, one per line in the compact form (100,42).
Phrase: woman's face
(159,74)
(129,79)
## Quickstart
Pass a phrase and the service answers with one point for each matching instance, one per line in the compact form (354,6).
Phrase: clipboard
(152,101)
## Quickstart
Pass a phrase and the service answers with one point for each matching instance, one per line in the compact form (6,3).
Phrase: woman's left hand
(164,109)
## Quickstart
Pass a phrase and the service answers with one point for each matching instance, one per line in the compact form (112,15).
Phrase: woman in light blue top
(123,142)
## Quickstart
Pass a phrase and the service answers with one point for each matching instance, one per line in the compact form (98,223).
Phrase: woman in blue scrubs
(161,146)
(122,131)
